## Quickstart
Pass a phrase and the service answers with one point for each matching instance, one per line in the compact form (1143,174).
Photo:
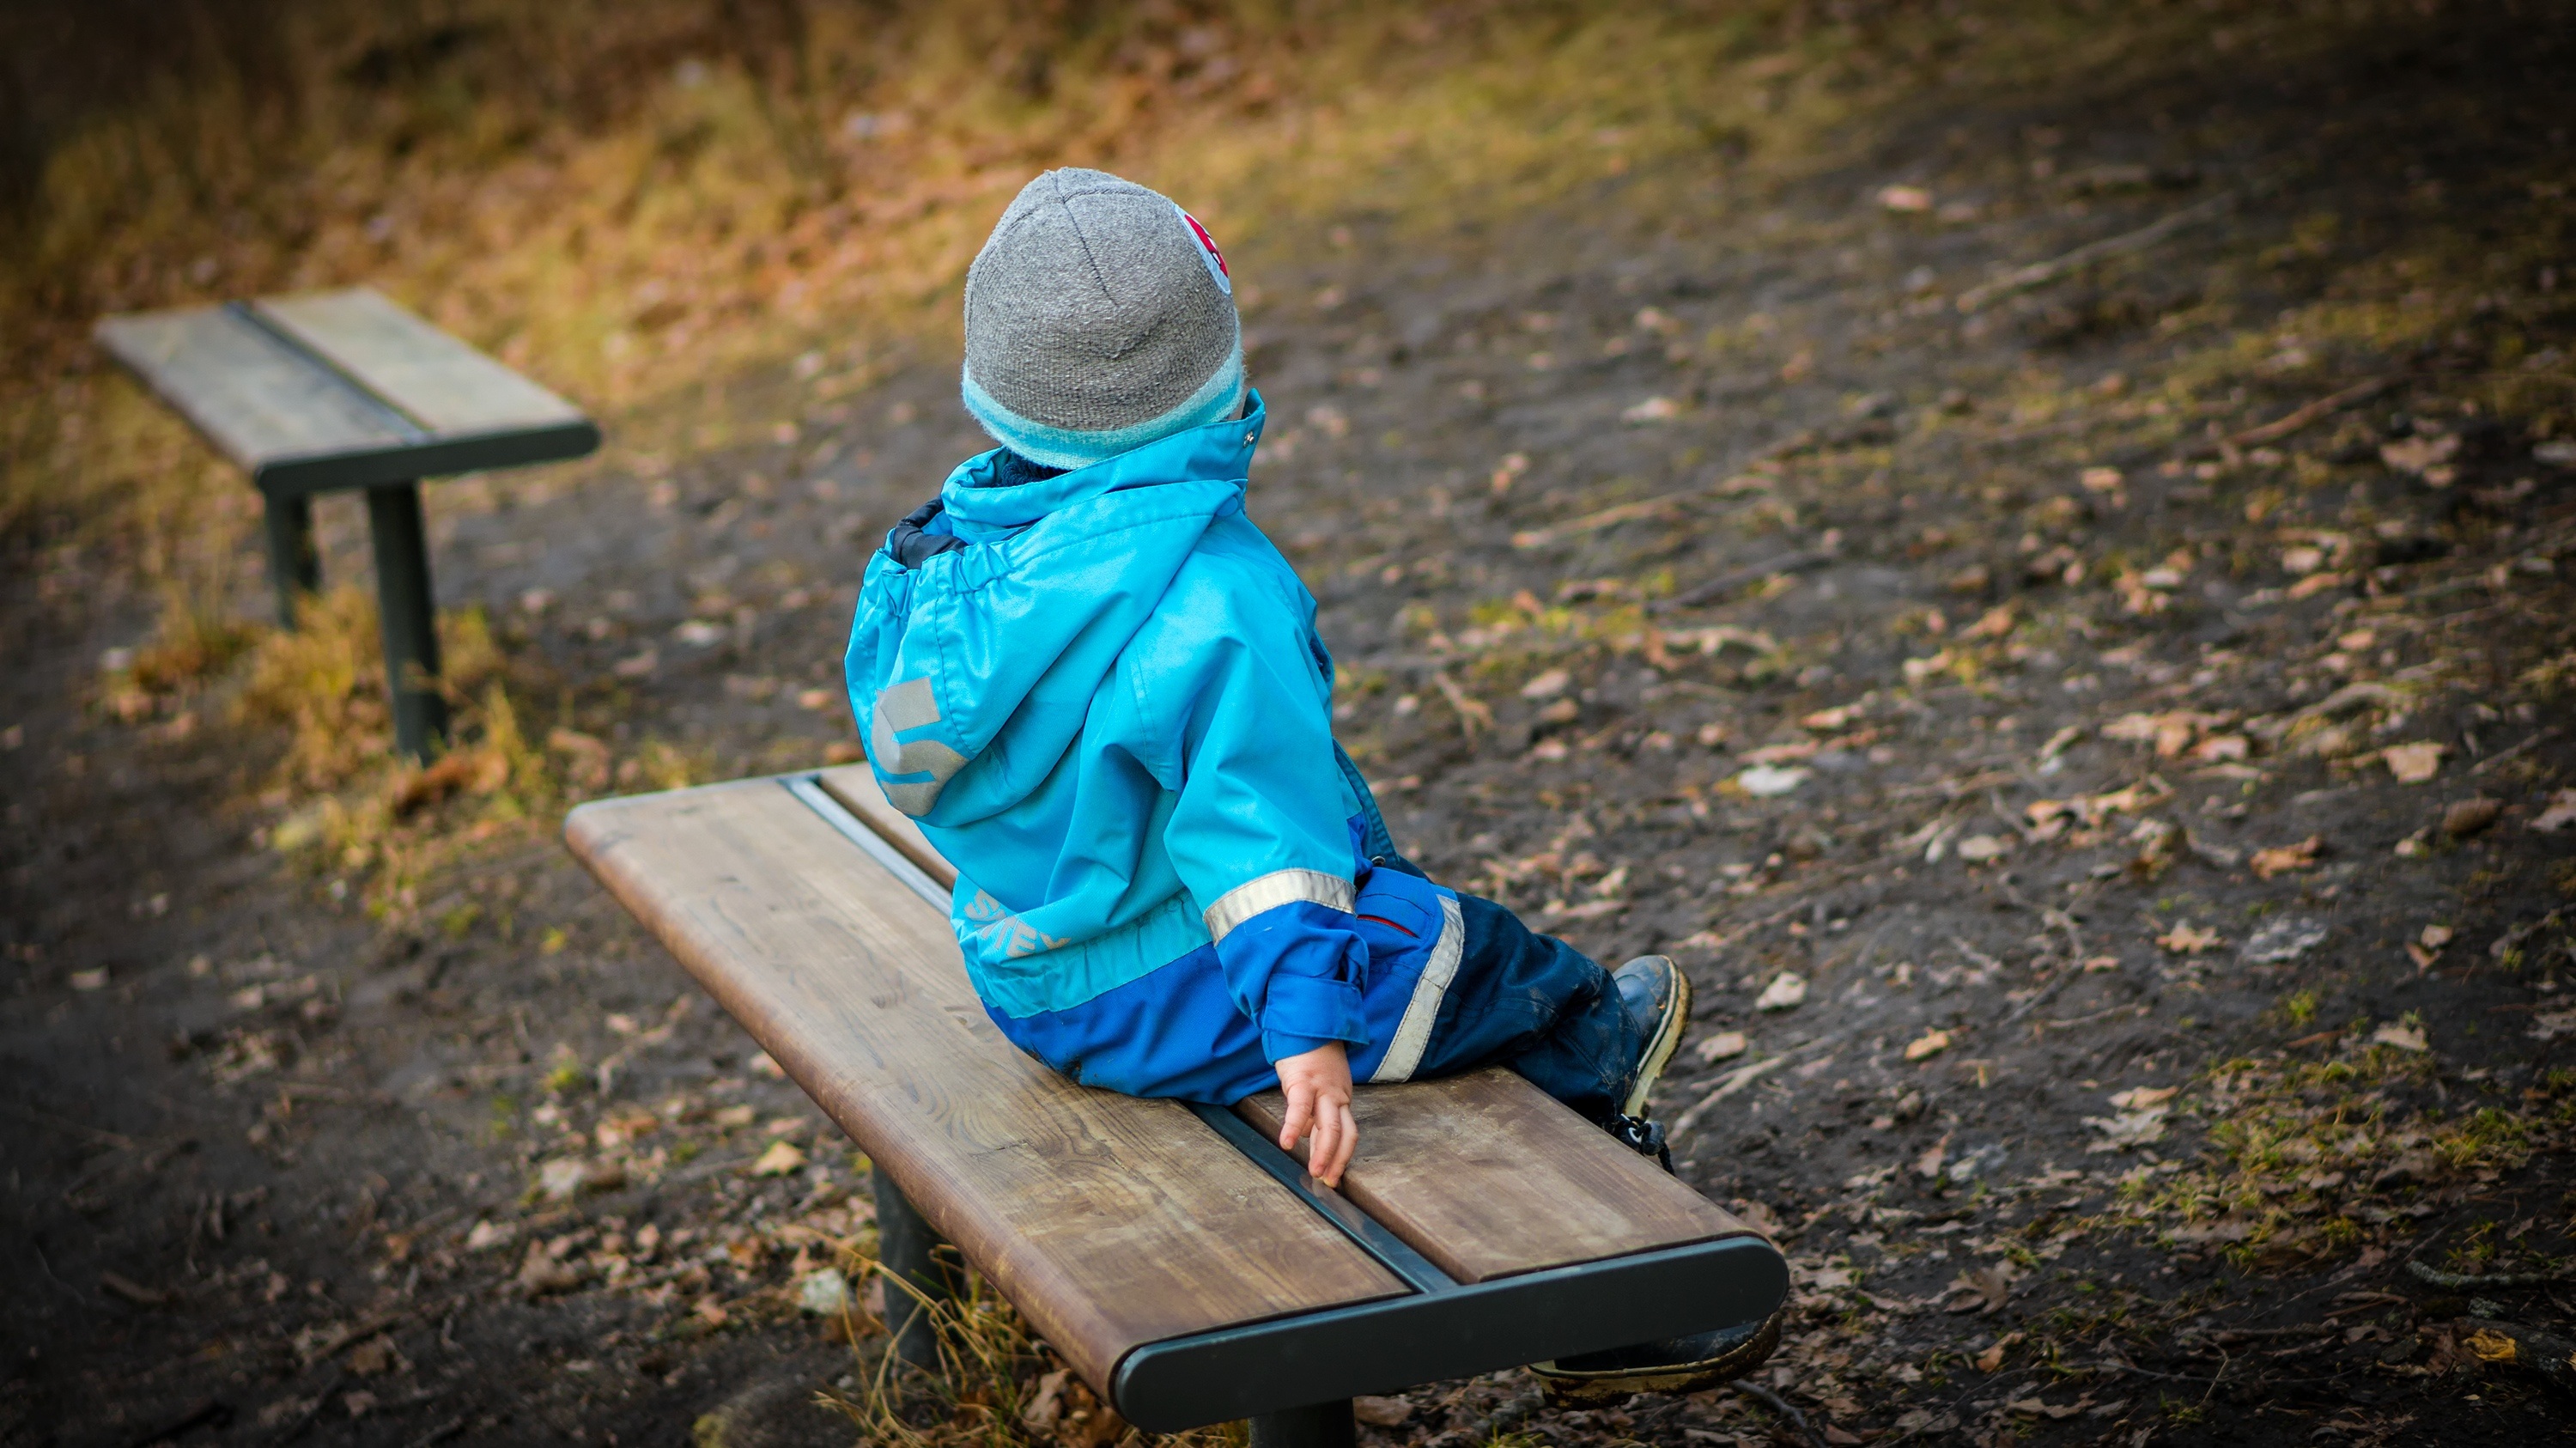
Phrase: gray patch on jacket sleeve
(901,707)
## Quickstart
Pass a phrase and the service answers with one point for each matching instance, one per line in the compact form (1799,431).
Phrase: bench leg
(912,1252)
(410,622)
(1324,1425)
(294,565)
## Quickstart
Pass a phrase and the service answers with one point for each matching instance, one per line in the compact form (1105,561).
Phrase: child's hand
(1318,1083)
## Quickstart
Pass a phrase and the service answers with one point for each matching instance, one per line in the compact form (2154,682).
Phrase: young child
(1098,688)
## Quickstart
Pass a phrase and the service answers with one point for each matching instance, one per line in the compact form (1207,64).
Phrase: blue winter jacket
(1107,706)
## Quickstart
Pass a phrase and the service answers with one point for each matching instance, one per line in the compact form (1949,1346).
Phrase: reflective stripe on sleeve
(1413,1033)
(1280,887)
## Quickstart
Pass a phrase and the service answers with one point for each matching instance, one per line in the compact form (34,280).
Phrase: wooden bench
(1186,1267)
(336,390)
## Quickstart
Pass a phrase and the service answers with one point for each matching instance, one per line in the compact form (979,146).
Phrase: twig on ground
(1510,1415)
(2298,418)
(1779,1406)
(301,1421)
(2501,755)
(453,1427)
(1605,518)
(2046,993)
(65,1123)
(1734,578)
(1743,1076)
(1473,713)
(2040,274)
(2460,1281)
(1736,1080)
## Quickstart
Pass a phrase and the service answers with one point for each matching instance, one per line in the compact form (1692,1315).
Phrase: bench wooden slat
(342,390)
(1109,1221)
(445,385)
(1488,1177)
(250,393)
(1482,1173)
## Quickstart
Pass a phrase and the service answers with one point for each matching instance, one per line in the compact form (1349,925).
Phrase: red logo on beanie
(1212,258)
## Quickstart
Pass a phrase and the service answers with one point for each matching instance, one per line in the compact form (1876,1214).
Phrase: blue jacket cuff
(1303,1012)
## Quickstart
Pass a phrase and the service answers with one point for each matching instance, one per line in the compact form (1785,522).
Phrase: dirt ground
(2107,784)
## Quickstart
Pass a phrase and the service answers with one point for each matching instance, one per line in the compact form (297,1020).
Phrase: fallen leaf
(781,1158)
(2139,1098)
(2413,763)
(1930,1043)
(373,1356)
(824,1292)
(1381,1412)
(2282,859)
(2222,748)
(2468,816)
(2560,813)
(1994,624)
(2128,1129)
(2419,455)
(1765,781)
(1834,718)
(1047,1407)
(1725,1045)
(89,979)
(2188,939)
(2287,938)
(1991,1360)
(1986,1287)
(1781,753)
(2225,1229)
(2550,1025)
(541,1272)
(1653,409)
(1785,991)
(2403,1037)
(1547,685)
(560,1179)
(1904,199)
(2435,937)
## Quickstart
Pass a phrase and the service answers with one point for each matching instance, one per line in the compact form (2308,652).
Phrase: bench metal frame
(1442,1328)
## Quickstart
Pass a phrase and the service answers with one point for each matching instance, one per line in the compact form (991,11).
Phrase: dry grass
(661,207)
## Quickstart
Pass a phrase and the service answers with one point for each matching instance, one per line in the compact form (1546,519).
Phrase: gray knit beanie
(1099,318)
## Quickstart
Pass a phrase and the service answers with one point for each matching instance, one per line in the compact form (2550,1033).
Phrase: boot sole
(1598,1388)
(1668,1038)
